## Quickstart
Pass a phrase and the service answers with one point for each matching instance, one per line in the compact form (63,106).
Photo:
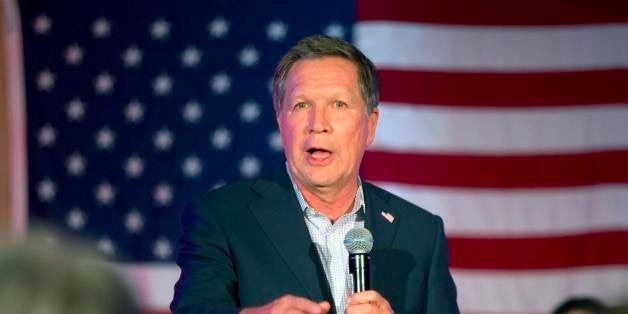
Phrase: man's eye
(299,105)
(340,104)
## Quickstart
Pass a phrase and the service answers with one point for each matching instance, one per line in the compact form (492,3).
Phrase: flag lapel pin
(388,216)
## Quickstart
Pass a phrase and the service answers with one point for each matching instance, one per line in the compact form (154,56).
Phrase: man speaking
(275,244)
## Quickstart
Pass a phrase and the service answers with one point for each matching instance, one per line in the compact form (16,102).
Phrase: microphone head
(358,241)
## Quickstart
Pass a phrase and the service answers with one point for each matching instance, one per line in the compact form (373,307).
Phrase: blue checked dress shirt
(328,237)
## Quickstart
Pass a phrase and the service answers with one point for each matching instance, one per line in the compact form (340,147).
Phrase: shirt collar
(358,202)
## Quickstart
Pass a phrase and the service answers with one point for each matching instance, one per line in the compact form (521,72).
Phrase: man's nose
(319,120)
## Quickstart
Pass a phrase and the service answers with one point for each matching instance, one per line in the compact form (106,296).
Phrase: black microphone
(359,243)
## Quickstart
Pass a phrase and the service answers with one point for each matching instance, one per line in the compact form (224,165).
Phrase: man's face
(324,124)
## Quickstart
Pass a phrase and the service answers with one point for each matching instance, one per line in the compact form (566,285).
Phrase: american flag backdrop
(508,119)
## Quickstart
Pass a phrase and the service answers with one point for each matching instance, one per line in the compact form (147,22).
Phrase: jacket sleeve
(208,283)
(441,289)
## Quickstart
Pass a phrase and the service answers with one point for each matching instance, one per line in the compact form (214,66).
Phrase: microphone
(359,243)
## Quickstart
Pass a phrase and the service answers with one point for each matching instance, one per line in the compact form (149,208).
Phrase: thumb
(325,306)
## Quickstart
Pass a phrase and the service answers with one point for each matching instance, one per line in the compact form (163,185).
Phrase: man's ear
(278,120)
(372,125)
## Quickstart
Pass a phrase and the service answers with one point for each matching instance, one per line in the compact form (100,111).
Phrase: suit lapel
(282,220)
(382,228)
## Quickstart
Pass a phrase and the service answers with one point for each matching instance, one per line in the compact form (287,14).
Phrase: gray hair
(37,278)
(324,46)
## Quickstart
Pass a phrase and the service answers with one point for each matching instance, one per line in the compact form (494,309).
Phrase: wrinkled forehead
(334,74)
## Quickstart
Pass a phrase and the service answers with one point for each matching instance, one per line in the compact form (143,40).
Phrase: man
(274,244)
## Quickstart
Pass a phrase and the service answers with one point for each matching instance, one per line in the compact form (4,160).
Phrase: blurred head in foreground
(582,305)
(38,279)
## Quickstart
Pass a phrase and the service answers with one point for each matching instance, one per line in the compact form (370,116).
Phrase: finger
(324,306)
(361,308)
(301,305)
(369,296)
(382,308)
(368,302)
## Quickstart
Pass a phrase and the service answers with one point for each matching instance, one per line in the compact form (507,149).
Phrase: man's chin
(319,181)
(319,177)
(322,183)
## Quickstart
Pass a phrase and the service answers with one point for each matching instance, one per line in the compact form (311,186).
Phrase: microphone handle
(359,270)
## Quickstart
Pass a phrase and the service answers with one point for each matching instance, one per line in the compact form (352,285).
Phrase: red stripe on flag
(494,12)
(497,171)
(504,89)
(603,248)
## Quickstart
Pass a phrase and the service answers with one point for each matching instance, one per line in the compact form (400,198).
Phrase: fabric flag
(507,119)
(134,109)
(510,120)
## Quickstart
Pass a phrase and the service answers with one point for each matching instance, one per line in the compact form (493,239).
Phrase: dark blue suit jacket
(247,244)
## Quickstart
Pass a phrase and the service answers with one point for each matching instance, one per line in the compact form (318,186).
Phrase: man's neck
(330,202)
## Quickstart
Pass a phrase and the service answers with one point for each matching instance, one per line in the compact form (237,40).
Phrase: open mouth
(318,153)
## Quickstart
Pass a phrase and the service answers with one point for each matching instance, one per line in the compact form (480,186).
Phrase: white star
(162,194)
(133,221)
(221,138)
(47,135)
(192,166)
(42,24)
(160,29)
(162,248)
(249,166)
(45,80)
(250,111)
(46,190)
(274,141)
(162,84)
(134,166)
(105,138)
(134,111)
(132,57)
(75,218)
(220,83)
(103,83)
(105,193)
(163,140)
(192,111)
(106,246)
(190,57)
(101,28)
(218,27)
(335,30)
(75,164)
(73,54)
(75,110)
(276,30)
(249,57)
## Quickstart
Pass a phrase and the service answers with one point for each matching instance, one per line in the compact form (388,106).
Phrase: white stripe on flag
(396,45)
(507,130)
(153,284)
(521,212)
(537,291)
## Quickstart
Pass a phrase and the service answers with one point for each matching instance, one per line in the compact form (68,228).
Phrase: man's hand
(290,304)
(368,302)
